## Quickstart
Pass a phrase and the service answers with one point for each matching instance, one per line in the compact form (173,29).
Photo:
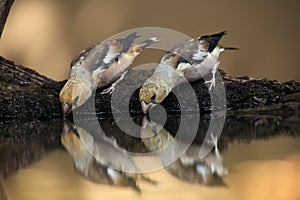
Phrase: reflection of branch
(2,193)
(5,6)
(26,143)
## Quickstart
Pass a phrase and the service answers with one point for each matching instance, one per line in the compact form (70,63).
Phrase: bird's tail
(231,48)
(148,42)
(138,48)
(212,39)
(222,48)
(131,37)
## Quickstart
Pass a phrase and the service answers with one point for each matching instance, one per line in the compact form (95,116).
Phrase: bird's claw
(112,140)
(212,83)
(214,139)
(109,90)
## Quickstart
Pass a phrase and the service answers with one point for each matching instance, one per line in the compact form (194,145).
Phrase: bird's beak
(146,107)
(66,108)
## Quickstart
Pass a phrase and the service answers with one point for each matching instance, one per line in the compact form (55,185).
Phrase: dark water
(254,158)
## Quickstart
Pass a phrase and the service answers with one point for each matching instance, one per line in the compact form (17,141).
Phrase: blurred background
(46,34)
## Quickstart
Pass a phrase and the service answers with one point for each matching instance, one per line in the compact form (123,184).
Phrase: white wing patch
(111,54)
(201,53)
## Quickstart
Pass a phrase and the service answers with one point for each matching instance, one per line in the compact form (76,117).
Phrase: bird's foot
(109,90)
(214,140)
(212,82)
(112,140)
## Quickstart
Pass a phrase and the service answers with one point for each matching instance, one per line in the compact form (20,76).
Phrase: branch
(5,6)
(21,76)
(25,93)
(2,193)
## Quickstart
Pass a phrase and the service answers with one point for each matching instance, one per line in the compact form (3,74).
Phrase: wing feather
(192,51)
(103,54)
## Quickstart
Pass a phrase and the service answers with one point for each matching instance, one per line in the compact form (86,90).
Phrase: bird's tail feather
(212,39)
(132,36)
(148,42)
(231,48)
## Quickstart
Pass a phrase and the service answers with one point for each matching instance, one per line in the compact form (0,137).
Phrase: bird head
(151,94)
(154,136)
(74,94)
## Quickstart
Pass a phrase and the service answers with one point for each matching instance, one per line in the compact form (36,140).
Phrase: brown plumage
(190,60)
(98,66)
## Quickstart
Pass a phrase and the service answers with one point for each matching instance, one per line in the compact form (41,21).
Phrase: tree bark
(24,93)
(5,6)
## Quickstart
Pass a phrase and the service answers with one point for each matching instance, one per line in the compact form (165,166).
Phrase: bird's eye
(153,96)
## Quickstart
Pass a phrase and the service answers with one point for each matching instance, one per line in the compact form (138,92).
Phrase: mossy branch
(24,93)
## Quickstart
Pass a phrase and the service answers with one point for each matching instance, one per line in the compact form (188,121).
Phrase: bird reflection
(189,167)
(93,157)
(100,159)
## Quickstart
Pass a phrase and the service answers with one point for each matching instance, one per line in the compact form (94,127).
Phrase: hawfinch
(190,60)
(93,163)
(98,66)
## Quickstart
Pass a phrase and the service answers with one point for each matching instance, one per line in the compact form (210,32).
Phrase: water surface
(255,158)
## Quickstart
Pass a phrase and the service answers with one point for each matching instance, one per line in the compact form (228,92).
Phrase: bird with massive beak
(101,65)
(190,61)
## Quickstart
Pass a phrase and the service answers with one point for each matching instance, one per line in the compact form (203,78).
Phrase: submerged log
(24,93)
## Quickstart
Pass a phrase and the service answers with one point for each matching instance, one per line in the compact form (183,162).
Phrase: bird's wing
(81,56)
(212,39)
(118,68)
(196,50)
(103,54)
(182,52)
